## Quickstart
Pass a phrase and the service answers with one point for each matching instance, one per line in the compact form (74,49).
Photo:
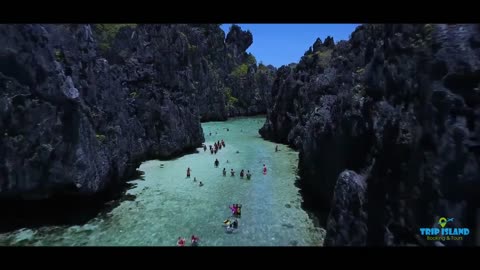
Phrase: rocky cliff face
(247,84)
(82,105)
(73,122)
(388,129)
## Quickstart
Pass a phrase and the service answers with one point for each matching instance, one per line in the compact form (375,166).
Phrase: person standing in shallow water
(188,172)
(224,172)
(276,148)
(216,163)
(264,169)
(242,174)
(248,175)
(232,173)
(195,240)
(180,242)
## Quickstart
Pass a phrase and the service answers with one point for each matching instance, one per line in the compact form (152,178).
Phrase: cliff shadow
(64,208)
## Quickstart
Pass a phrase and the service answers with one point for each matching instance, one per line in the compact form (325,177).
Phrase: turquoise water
(169,205)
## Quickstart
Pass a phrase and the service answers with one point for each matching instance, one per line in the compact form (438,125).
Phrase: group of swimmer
(217,146)
(232,172)
(193,241)
(231,224)
(194,178)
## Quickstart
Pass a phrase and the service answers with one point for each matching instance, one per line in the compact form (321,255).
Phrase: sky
(282,44)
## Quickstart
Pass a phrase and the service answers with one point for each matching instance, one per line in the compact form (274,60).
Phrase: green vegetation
(262,67)
(250,60)
(231,100)
(59,56)
(107,32)
(100,137)
(360,70)
(240,71)
(133,94)
(324,57)
(428,30)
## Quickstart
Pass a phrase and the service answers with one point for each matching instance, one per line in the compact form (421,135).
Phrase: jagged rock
(82,105)
(347,222)
(400,101)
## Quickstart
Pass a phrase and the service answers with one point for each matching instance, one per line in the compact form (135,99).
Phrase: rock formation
(82,105)
(388,129)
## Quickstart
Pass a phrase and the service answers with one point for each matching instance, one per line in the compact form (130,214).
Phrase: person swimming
(201,184)
(249,175)
(242,174)
(233,209)
(188,172)
(194,240)
(227,222)
(232,172)
(224,172)
(229,228)
(216,163)
(235,224)
(180,242)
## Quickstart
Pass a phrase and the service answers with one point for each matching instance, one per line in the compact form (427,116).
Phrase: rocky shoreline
(81,106)
(387,125)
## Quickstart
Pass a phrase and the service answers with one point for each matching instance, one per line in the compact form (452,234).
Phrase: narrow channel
(168,205)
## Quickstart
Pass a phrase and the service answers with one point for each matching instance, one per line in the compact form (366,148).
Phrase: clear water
(169,205)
